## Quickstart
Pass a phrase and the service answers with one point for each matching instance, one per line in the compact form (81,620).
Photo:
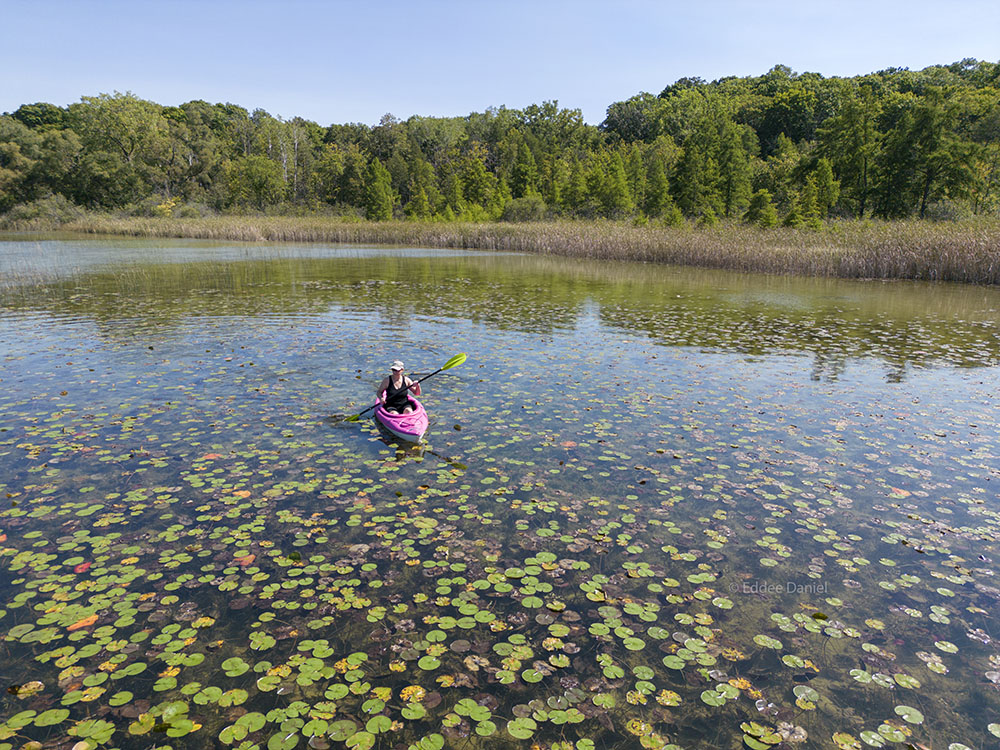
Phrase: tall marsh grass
(963,252)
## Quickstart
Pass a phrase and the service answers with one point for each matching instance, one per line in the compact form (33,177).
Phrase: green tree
(419,207)
(126,143)
(326,174)
(635,119)
(796,216)
(353,178)
(689,185)
(575,194)
(942,160)
(524,173)
(379,198)
(810,204)
(850,141)
(479,185)
(616,198)
(895,171)
(985,187)
(734,172)
(40,116)
(197,149)
(635,172)
(553,178)
(132,128)
(779,170)
(790,112)
(19,148)
(58,162)
(304,139)
(697,182)
(827,187)
(657,190)
(451,187)
(424,180)
(255,181)
(761,210)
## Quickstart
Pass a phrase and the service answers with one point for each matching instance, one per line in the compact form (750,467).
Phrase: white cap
(397,365)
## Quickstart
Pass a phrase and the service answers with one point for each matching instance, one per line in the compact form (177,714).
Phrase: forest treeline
(777,148)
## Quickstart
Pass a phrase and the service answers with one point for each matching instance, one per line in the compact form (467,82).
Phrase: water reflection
(903,324)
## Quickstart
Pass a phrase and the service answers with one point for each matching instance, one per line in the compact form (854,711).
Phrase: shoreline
(965,252)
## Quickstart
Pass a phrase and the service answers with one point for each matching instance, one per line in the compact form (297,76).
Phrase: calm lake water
(655,506)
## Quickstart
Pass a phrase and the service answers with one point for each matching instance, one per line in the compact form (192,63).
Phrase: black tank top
(396,397)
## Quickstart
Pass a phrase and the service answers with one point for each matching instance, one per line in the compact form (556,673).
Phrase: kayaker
(397,388)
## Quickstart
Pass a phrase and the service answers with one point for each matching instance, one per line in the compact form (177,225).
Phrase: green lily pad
(51,717)
(872,739)
(521,728)
(712,698)
(909,714)
(429,663)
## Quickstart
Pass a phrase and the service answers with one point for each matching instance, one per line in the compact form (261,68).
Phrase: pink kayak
(405,426)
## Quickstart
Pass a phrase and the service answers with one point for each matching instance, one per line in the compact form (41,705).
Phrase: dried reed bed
(964,251)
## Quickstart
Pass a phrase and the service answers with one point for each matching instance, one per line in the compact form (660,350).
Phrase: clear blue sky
(336,62)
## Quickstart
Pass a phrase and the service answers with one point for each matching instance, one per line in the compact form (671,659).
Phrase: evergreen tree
(555,174)
(327,173)
(422,178)
(794,218)
(657,190)
(419,207)
(635,171)
(761,210)
(734,172)
(478,183)
(379,198)
(501,197)
(673,217)
(451,187)
(617,199)
(896,170)
(575,195)
(810,204)
(942,160)
(827,188)
(351,190)
(689,183)
(850,140)
(779,170)
(596,180)
(708,218)
(524,173)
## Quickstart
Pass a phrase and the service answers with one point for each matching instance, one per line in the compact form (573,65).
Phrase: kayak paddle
(453,362)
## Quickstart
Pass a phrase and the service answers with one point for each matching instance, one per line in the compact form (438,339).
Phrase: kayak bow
(409,427)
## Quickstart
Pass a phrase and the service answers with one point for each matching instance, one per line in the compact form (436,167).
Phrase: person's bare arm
(415,387)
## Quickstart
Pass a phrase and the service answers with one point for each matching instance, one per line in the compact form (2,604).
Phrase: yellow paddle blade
(454,361)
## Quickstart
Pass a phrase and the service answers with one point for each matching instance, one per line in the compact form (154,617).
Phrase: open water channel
(655,507)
